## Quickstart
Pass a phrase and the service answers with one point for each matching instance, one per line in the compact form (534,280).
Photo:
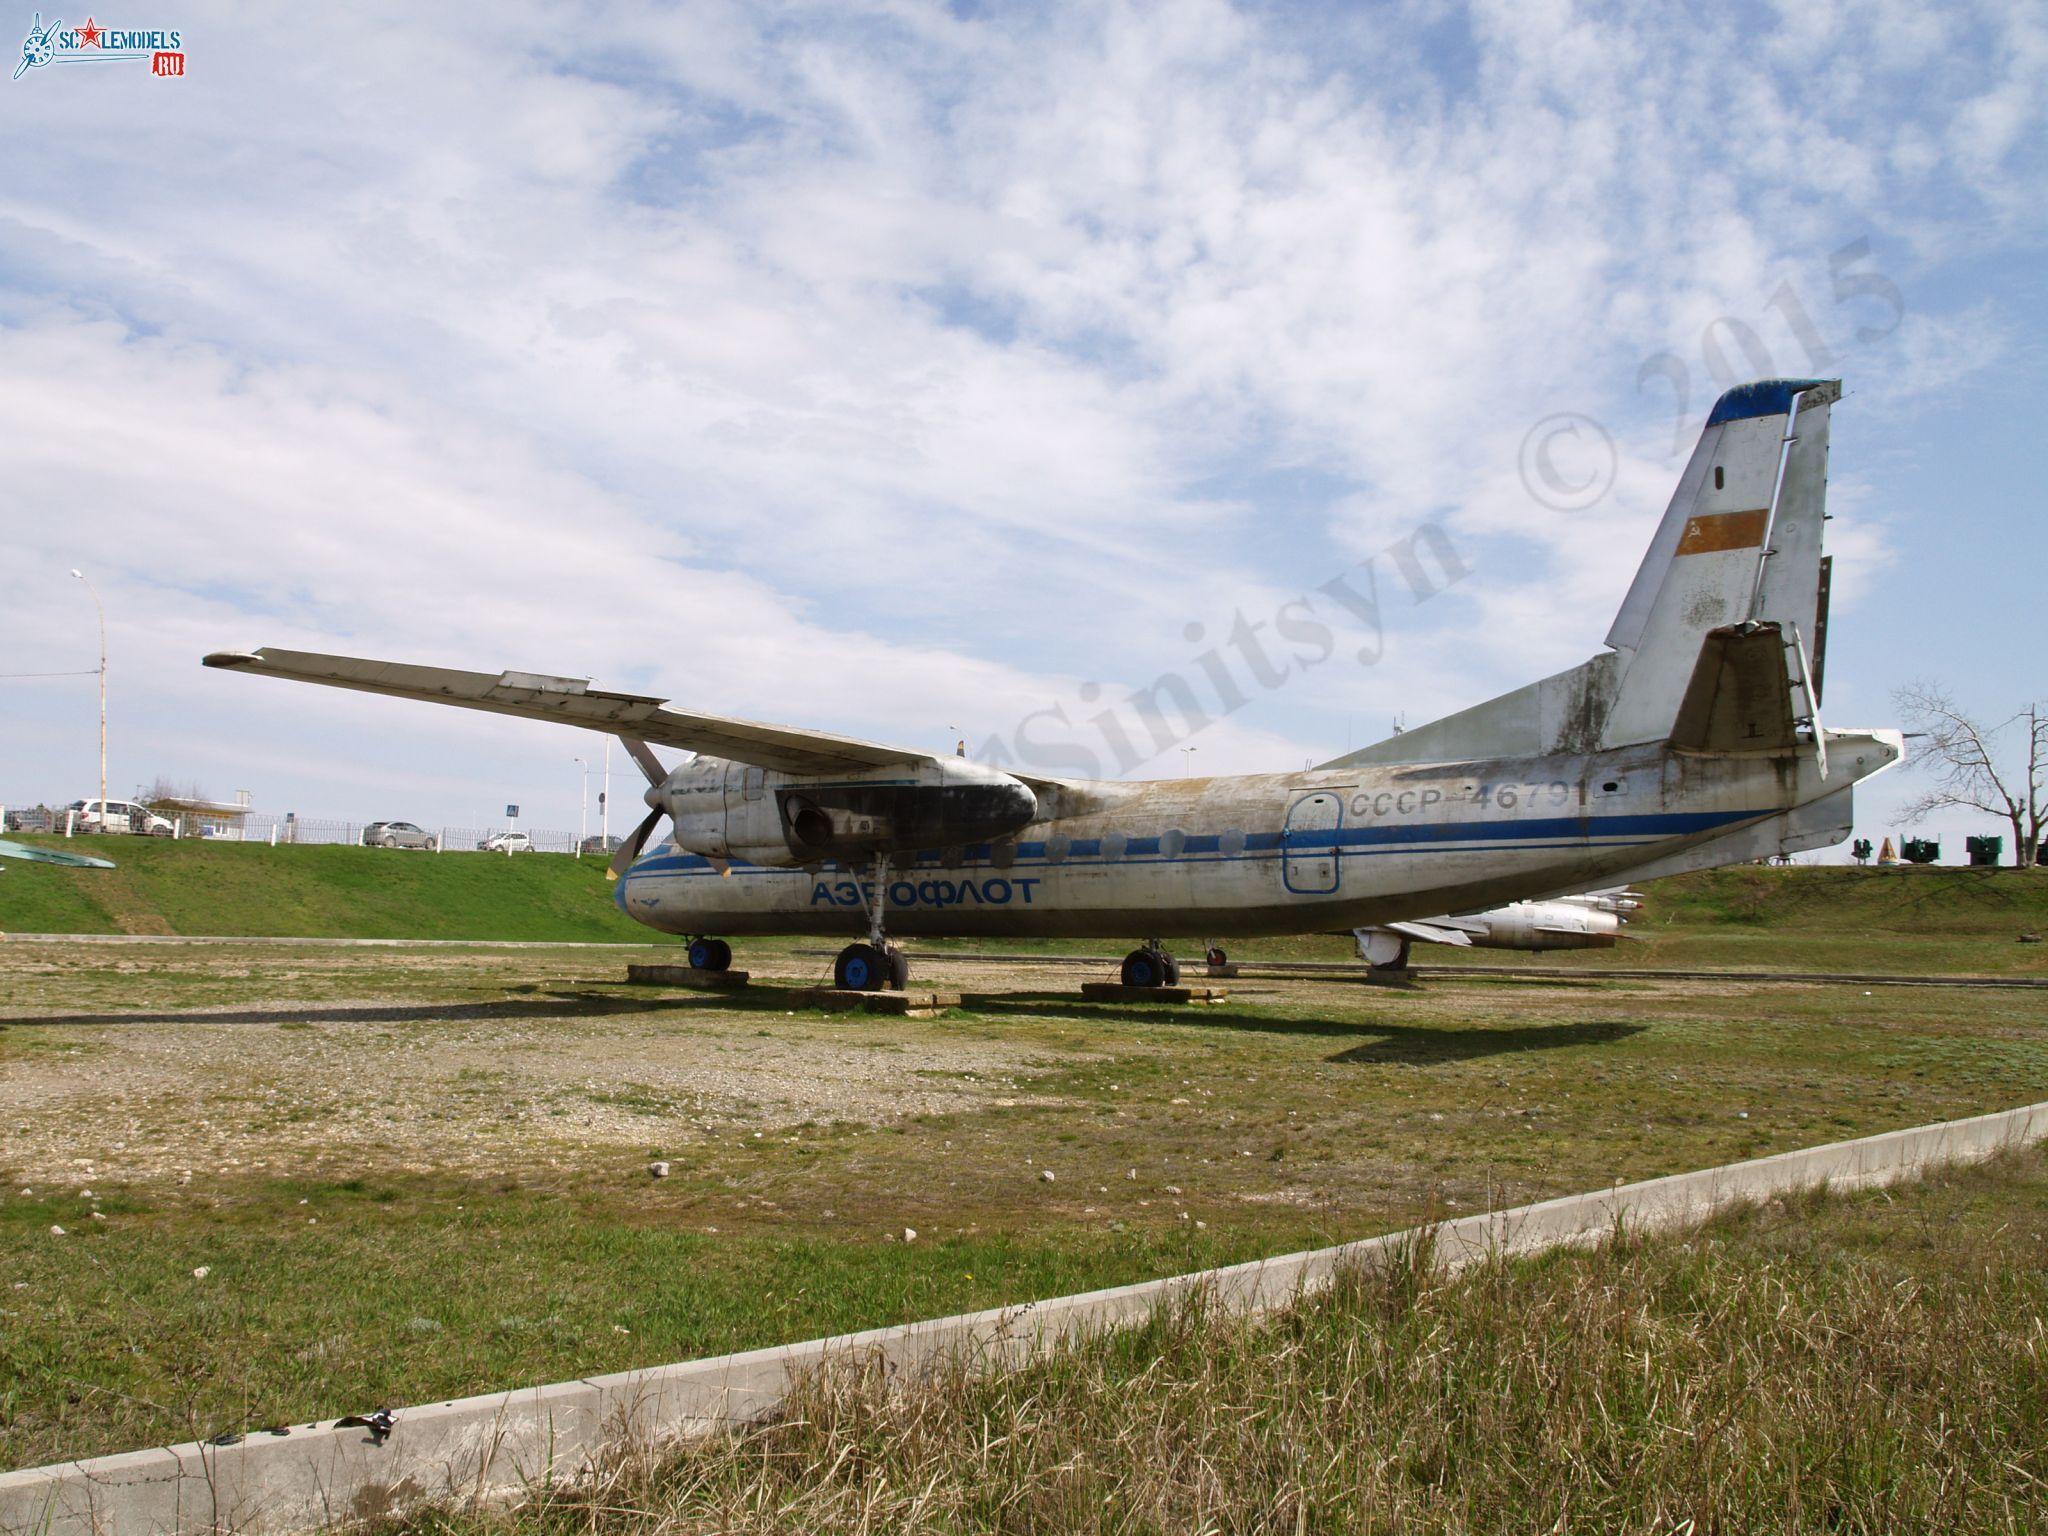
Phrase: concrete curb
(498,1445)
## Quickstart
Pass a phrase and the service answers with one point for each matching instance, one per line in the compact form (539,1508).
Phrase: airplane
(1693,740)
(1589,921)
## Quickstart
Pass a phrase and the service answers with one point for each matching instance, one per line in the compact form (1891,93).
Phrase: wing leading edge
(572,701)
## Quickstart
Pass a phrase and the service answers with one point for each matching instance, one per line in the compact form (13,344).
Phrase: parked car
(507,842)
(398,834)
(119,816)
(599,845)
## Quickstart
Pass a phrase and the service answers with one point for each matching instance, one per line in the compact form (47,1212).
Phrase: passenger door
(1308,847)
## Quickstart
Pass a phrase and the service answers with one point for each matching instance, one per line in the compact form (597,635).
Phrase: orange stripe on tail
(1724,530)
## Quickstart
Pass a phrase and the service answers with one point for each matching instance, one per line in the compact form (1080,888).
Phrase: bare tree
(1999,769)
(163,789)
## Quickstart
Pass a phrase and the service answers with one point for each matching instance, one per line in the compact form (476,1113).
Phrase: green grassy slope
(252,890)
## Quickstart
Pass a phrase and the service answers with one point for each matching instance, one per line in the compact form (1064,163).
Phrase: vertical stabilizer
(1739,544)
(1718,645)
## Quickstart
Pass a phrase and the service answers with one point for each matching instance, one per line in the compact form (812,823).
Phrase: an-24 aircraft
(1694,740)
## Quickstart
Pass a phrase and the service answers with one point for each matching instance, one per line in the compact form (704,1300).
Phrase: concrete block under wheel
(915,1005)
(683,976)
(1117,992)
(1221,972)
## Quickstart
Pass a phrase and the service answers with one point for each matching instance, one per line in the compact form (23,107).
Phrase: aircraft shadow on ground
(1407,1045)
(1391,1045)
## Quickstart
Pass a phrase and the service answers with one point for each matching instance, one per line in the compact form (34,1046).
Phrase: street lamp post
(582,806)
(604,799)
(102,607)
(1187,757)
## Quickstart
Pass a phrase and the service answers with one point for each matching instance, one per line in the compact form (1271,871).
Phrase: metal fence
(312,831)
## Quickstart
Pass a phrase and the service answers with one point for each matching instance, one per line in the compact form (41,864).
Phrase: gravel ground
(287,1085)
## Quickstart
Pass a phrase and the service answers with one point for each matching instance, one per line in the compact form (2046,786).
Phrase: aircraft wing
(14,850)
(572,701)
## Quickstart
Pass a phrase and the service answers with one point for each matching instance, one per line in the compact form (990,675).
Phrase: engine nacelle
(729,810)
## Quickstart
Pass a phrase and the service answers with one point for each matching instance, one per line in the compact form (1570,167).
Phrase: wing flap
(572,701)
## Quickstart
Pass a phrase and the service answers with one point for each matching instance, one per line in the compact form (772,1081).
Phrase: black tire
(1216,955)
(1172,970)
(860,968)
(899,970)
(1142,969)
(721,955)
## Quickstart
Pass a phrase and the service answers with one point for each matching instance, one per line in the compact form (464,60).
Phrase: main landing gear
(1151,966)
(710,955)
(877,964)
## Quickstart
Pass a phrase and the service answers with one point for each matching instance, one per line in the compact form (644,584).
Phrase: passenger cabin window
(1173,843)
(1056,850)
(1113,845)
(1231,842)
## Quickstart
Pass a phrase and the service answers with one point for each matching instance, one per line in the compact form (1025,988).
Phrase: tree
(1999,770)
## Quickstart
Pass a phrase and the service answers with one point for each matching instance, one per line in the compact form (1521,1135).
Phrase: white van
(119,816)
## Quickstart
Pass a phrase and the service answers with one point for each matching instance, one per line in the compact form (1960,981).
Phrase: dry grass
(1868,1365)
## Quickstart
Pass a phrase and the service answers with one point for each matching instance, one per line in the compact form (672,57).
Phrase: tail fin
(1739,548)
(1716,646)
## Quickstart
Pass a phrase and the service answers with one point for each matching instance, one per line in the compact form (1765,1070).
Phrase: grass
(1872,1364)
(469,1130)
(327,1296)
(253,890)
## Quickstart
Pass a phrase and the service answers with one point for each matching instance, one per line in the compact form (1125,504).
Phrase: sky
(989,372)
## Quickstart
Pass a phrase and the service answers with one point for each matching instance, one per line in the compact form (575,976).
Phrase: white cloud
(864,367)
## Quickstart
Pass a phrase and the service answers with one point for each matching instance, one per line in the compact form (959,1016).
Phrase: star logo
(89,35)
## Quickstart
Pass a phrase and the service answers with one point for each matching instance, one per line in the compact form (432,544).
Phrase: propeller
(629,850)
(656,776)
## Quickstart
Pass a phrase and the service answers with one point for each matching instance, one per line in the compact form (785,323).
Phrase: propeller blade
(641,753)
(629,850)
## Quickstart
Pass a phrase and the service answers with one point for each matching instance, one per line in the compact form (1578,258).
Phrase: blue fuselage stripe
(1472,836)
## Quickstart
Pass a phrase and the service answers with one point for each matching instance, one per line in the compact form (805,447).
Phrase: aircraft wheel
(710,955)
(899,970)
(1172,970)
(1216,955)
(860,968)
(1145,968)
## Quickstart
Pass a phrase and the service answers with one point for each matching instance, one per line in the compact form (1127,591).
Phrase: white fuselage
(1271,853)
